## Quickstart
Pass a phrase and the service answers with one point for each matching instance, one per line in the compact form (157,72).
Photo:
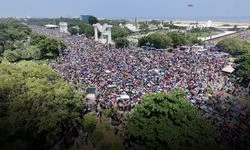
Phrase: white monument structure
(105,33)
(209,23)
(63,27)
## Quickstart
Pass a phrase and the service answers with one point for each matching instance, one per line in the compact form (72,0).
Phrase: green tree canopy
(156,39)
(73,31)
(11,30)
(40,47)
(86,29)
(35,38)
(119,32)
(92,20)
(168,121)
(121,42)
(178,38)
(37,107)
(233,46)
(50,45)
(244,67)
(89,123)
(143,27)
(11,56)
(32,52)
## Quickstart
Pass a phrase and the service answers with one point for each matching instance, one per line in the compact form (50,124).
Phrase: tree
(89,31)
(35,38)
(233,46)
(119,32)
(156,39)
(35,52)
(168,121)
(178,39)
(89,123)
(92,20)
(244,67)
(73,31)
(143,27)
(11,56)
(121,42)
(107,112)
(47,45)
(86,29)
(3,40)
(50,45)
(37,107)
(10,32)
(31,52)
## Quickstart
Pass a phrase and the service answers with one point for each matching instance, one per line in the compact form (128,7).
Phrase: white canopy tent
(228,69)
(51,26)
(107,71)
(123,97)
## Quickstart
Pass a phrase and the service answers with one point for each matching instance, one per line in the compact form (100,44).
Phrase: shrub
(24,54)
(35,53)
(89,123)
(11,56)
(97,135)
(107,112)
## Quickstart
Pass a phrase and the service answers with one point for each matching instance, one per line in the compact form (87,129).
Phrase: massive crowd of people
(123,76)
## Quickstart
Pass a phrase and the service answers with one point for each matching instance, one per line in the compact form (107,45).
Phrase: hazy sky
(126,8)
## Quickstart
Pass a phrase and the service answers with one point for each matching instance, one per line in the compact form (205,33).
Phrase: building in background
(132,27)
(63,27)
(84,18)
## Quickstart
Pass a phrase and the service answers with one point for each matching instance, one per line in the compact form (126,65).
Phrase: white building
(189,26)
(131,27)
(63,27)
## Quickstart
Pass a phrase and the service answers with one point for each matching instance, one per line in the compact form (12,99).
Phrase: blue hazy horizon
(219,10)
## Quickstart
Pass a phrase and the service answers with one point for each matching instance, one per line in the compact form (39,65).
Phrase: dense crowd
(123,76)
